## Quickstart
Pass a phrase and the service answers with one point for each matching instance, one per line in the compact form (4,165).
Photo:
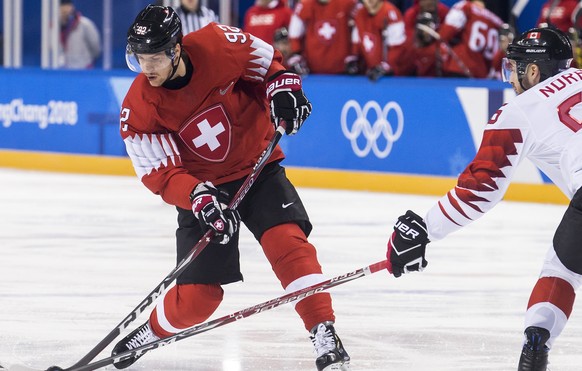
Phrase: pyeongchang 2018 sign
(54,112)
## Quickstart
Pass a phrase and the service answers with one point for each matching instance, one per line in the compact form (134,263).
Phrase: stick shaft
(247,312)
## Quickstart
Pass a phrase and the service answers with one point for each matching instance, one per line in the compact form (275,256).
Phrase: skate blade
(338,367)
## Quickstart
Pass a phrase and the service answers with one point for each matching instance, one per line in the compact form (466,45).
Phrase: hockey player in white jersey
(541,123)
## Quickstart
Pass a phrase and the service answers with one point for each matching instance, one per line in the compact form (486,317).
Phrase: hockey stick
(182,265)
(229,318)
(437,37)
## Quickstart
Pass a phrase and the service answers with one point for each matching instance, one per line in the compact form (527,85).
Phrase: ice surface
(79,252)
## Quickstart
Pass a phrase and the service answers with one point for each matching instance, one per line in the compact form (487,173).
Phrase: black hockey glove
(352,65)
(407,245)
(288,103)
(212,213)
(379,70)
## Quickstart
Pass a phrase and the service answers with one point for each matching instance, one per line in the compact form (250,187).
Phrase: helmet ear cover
(547,47)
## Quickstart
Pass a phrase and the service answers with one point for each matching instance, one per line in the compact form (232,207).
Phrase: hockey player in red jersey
(194,122)
(379,38)
(476,29)
(542,124)
(320,34)
(265,17)
(435,7)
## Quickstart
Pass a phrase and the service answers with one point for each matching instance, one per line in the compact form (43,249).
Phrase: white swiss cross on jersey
(326,30)
(208,134)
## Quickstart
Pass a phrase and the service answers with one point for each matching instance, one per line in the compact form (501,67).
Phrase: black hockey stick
(229,318)
(196,250)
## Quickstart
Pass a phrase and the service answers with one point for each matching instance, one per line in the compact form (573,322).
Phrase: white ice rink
(79,252)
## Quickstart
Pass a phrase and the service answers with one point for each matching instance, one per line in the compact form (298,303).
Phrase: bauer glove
(287,100)
(407,245)
(212,213)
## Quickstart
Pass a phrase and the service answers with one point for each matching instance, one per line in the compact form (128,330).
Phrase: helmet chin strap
(175,67)
(521,84)
(520,80)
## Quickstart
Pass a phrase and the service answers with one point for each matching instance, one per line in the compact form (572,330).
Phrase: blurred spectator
(379,38)
(266,17)
(80,43)
(426,54)
(194,16)
(506,35)
(470,34)
(577,16)
(435,7)
(320,34)
(557,13)
(562,15)
(576,35)
(423,51)
(281,42)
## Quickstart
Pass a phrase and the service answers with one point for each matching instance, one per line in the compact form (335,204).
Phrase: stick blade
(5,367)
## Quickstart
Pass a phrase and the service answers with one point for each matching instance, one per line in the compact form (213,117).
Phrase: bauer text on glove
(287,100)
(407,245)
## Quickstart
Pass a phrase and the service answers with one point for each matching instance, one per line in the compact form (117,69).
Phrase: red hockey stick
(219,322)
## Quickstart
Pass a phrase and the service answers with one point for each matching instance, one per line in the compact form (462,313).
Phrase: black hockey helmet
(155,29)
(548,48)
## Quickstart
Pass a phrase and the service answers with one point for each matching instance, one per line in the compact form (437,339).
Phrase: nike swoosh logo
(284,206)
(223,91)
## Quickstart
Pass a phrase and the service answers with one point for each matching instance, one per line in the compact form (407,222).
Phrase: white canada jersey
(542,124)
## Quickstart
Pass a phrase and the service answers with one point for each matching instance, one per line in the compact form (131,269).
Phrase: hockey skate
(331,354)
(141,336)
(534,355)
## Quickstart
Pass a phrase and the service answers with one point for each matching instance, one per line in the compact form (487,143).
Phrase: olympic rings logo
(372,131)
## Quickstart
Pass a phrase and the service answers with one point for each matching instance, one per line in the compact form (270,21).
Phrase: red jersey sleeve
(153,150)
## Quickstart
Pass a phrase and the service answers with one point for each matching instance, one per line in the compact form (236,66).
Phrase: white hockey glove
(288,102)
(211,213)
(407,245)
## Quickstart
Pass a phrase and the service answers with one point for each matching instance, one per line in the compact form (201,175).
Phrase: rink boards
(404,135)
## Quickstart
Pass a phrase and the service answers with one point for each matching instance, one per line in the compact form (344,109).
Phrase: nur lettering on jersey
(560,83)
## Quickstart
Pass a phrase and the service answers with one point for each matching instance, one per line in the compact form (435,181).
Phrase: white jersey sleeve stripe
(257,70)
(149,152)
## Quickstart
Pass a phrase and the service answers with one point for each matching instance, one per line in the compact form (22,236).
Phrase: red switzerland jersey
(214,128)
(264,21)
(380,37)
(478,29)
(321,32)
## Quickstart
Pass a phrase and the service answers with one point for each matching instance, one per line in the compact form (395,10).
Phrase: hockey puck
(54,368)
